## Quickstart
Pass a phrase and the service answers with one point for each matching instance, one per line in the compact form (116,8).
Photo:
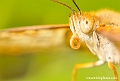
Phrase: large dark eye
(86,26)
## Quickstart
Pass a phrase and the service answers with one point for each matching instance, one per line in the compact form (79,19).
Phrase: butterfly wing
(30,39)
(111,32)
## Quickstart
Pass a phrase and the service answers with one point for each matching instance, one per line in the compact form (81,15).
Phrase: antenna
(76,6)
(65,5)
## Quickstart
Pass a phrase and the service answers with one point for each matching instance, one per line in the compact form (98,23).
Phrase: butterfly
(99,30)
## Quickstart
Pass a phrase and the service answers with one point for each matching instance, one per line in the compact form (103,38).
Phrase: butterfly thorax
(84,26)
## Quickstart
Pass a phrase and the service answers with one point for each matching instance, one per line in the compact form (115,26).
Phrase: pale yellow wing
(111,32)
(30,39)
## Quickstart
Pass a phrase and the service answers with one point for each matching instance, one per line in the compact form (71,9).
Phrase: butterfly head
(79,23)
(85,23)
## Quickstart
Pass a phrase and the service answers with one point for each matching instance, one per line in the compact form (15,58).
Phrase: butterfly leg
(85,65)
(112,66)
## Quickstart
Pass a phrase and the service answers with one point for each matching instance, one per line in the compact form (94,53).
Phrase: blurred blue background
(53,64)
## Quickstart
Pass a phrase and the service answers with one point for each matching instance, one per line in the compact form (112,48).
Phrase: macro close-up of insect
(36,47)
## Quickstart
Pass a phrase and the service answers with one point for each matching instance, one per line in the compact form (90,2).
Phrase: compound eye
(86,25)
